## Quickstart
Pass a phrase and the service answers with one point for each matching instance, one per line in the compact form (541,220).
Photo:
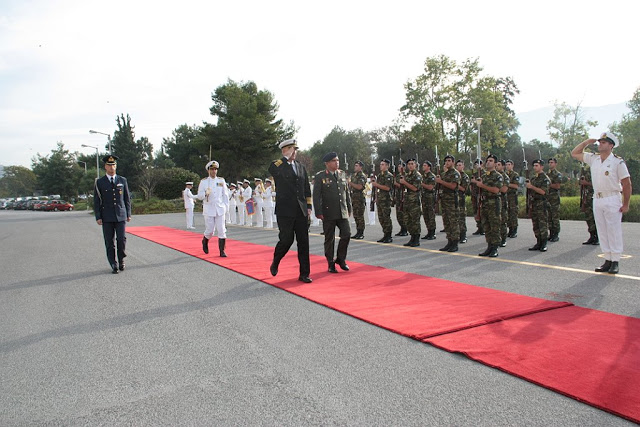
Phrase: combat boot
(387,238)
(487,251)
(463,237)
(447,246)
(431,235)
(453,247)
(493,252)
(513,232)
(503,243)
(535,247)
(221,244)
(554,237)
(359,235)
(596,240)
(589,241)
(402,232)
(410,242)
(614,269)
(205,245)
(543,245)
(382,239)
(415,240)
(604,267)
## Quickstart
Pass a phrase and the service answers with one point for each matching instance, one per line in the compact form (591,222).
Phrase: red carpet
(591,356)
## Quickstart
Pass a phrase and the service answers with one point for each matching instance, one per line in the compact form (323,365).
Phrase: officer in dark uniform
(293,208)
(332,202)
(112,207)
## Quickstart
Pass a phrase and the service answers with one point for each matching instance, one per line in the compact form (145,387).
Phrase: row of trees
(439,113)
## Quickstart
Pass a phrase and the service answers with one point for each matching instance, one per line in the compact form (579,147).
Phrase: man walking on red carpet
(293,208)
(332,202)
(215,195)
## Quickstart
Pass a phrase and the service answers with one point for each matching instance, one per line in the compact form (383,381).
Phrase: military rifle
(583,189)
(437,187)
(525,166)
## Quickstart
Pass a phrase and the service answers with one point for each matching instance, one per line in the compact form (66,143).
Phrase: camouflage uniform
(491,208)
(539,207)
(449,205)
(512,200)
(587,204)
(553,197)
(429,203)
(465,181)
(411,208)
(383,200)
(358,201)
(504,212)
(398,199)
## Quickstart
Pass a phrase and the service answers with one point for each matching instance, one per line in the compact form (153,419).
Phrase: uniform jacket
(331,195)
(188,197)
(112,202)
(217,202)
(293,189)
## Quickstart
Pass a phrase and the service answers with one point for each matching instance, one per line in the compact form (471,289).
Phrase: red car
(58,205)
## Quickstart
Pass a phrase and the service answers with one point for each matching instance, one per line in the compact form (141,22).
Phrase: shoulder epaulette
(278,162)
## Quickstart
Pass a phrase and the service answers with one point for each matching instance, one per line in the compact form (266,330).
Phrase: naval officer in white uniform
(214,193)
(189,204)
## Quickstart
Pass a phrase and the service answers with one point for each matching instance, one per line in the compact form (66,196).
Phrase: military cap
(540,161)
(232,185)
(267,180)
(329,156)
(609,137)
(359,163)
(412,160)
(509,161)
(449,156)
(476,161)
(247,181)
(552,159)
(257,179)
(110,159)
(503,162)
(189,183)
(459,161)
(288,142)
(492,156)
(427,162)
(212,163)
(387,161)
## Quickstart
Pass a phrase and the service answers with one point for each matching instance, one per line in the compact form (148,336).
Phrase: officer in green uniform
(512,200)
(586,205)
(384,185)
(554,200)
(428,200)
(465,181)
(477,197)
(490,183)
(449,203)
(398,196)
(412,206)
(504,213)
(357,185)
(539,185)
(332,200)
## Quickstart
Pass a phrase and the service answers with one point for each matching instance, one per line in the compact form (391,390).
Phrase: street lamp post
(85,165)
(108,138)
(97,162)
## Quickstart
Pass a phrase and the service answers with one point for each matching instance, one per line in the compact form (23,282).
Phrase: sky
(68,66)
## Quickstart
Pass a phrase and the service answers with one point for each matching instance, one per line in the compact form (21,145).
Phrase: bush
(172,183)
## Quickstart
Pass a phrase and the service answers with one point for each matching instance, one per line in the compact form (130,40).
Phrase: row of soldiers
(493,187)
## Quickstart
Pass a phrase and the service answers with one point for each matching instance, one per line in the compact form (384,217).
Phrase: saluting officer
(215,195)
(333,206)
(112,208)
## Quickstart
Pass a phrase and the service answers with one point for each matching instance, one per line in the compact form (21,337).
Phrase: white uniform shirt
(188,198)
(606,176)
(246,193)
(268,197)
(233,197)
(217,203)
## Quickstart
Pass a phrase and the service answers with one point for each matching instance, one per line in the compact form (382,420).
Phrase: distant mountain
(533,124)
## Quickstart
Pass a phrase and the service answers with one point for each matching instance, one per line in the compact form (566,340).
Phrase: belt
(603,194)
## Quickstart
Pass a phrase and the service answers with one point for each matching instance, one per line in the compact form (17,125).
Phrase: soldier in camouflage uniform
(398,197)
(428,200)
(490,184)
(412,208)
(449,203)
(357,185)
(586,199)
(554,200)
(477,171)
(384,184)
(465,181)
(504,214)
(512,200)
(539,186)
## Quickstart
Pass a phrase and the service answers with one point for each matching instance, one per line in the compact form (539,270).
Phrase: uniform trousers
(248,219)
(608,217)
(290,227)
(258,215)
(117,230)
(189,217)
(329,228)
(214,223)
(268,215)
(233,217)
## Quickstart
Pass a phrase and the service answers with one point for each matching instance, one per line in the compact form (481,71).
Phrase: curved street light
(97,162)
(107,135)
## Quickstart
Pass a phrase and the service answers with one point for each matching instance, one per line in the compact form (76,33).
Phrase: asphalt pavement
(174,340)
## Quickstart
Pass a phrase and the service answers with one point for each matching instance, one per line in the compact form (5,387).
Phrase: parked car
(21,205)
(40,205)
(58,205)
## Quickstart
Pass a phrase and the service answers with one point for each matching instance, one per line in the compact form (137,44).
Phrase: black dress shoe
(604,267)
(273,269)
(614,269)
(343,265)
(121,267)
(332,268)
(305,279)
(205,245)
(114,269)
